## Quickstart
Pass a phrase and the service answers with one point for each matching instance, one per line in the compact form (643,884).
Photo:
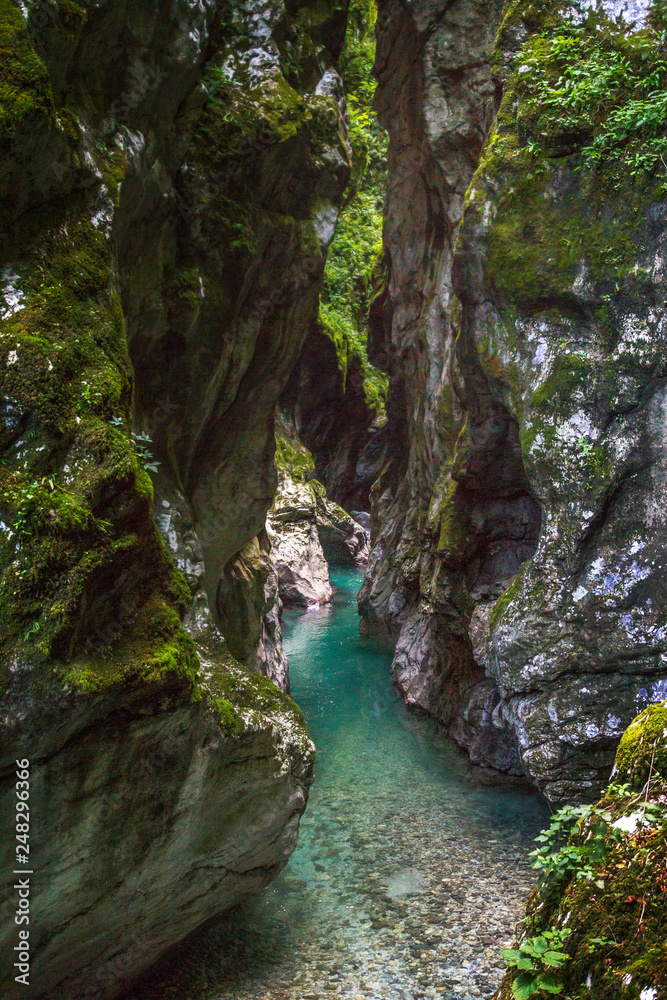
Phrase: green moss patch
(25,90)
(245,700)
(88,592)
(643,749)
(152,647)
(292,456)
(503,602)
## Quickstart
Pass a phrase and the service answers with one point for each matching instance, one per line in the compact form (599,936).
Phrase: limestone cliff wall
(522,322)
(169,184)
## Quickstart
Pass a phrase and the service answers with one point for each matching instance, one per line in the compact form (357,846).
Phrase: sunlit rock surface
(309,533)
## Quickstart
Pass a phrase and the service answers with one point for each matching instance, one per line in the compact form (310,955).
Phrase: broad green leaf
(550,984)
(554,958)
(525,985)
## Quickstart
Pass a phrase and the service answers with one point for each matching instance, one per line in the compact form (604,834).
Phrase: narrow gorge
(300,302)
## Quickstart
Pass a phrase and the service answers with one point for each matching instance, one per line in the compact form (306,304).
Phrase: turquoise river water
(408,876)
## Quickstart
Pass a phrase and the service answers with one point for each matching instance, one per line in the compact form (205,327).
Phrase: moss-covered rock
(642,752)
(562,301)
(164,231)
(605,893)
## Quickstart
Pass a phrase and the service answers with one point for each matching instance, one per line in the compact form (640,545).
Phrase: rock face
(296,551)
(169,185)
(309,533)
(436,99)
(332,416)
(522,323)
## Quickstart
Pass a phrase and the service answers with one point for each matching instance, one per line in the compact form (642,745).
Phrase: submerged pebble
(408,877)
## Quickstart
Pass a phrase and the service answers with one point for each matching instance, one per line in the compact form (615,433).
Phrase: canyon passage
(289,287)
(408,876)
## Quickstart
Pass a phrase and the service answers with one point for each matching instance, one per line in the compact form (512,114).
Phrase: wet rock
(167,201)
(331,415)
(296,550)
(518,521)
(344,539)
(404,883)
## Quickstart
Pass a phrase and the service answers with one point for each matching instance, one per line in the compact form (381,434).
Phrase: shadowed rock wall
(170,178)
(436,99)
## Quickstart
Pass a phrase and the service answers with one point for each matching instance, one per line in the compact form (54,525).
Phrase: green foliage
(229,718)
(576,841)
(594,87)
(601,901)
(587,833)
(40,505)
(534,957)
(88,591)
(24,85)
(356,246)
(241,120)
(347,286)
(142,443)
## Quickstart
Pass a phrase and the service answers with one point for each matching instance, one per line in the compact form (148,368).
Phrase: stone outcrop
(169,185)
(248,604)
(296,550)
(309,533)
(518,523)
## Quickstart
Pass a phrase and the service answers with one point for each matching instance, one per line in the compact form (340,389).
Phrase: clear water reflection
(408,876)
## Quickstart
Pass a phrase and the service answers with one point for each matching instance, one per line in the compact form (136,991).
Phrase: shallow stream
(408,876)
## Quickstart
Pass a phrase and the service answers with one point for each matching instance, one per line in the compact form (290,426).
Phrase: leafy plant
(599,942)
(535,958)
(31,631)
(577,839)
(601,90)
(142,444)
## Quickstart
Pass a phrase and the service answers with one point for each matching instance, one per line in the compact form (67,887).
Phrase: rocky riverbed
(409,875)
